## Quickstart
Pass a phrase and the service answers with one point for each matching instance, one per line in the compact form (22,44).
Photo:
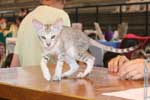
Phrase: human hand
(133,70)
(115,63)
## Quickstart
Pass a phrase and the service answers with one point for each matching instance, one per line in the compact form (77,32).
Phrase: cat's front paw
(47,76)
(56,77)
(46,73)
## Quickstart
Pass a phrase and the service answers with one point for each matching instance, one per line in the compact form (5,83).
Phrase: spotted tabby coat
(69,45)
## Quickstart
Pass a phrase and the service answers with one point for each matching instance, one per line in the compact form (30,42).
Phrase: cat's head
(48,33)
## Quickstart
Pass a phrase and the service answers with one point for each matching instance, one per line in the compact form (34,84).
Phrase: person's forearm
(15,61)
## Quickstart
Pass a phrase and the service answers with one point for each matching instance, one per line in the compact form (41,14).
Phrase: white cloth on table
(131,94)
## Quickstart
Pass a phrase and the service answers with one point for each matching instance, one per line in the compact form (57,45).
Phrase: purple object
(108,35)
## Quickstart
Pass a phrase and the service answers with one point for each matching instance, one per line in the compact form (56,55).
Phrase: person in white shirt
(28,50)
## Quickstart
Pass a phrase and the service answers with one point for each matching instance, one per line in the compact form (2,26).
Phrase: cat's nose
(48,44)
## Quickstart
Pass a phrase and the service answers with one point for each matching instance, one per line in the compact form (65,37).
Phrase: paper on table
(132,94)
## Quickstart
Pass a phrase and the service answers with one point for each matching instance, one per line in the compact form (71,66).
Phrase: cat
(69,45)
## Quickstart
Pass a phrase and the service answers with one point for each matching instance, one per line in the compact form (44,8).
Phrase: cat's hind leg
(89,60)
(73,67)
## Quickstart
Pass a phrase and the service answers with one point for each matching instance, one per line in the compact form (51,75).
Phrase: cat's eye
(53,37)
(43,37)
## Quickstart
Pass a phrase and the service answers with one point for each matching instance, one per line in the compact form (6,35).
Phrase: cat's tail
(112,49)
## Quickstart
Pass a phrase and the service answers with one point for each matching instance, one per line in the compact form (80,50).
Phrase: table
(27,83)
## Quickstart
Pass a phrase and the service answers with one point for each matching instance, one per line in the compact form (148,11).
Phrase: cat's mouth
(48,48)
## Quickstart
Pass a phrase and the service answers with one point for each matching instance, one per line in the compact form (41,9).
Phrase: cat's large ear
(58,25)
(38,25)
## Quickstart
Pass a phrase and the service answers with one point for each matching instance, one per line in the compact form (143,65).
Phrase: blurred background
(108,13)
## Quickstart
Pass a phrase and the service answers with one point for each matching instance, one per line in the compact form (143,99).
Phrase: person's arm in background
(15,61)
